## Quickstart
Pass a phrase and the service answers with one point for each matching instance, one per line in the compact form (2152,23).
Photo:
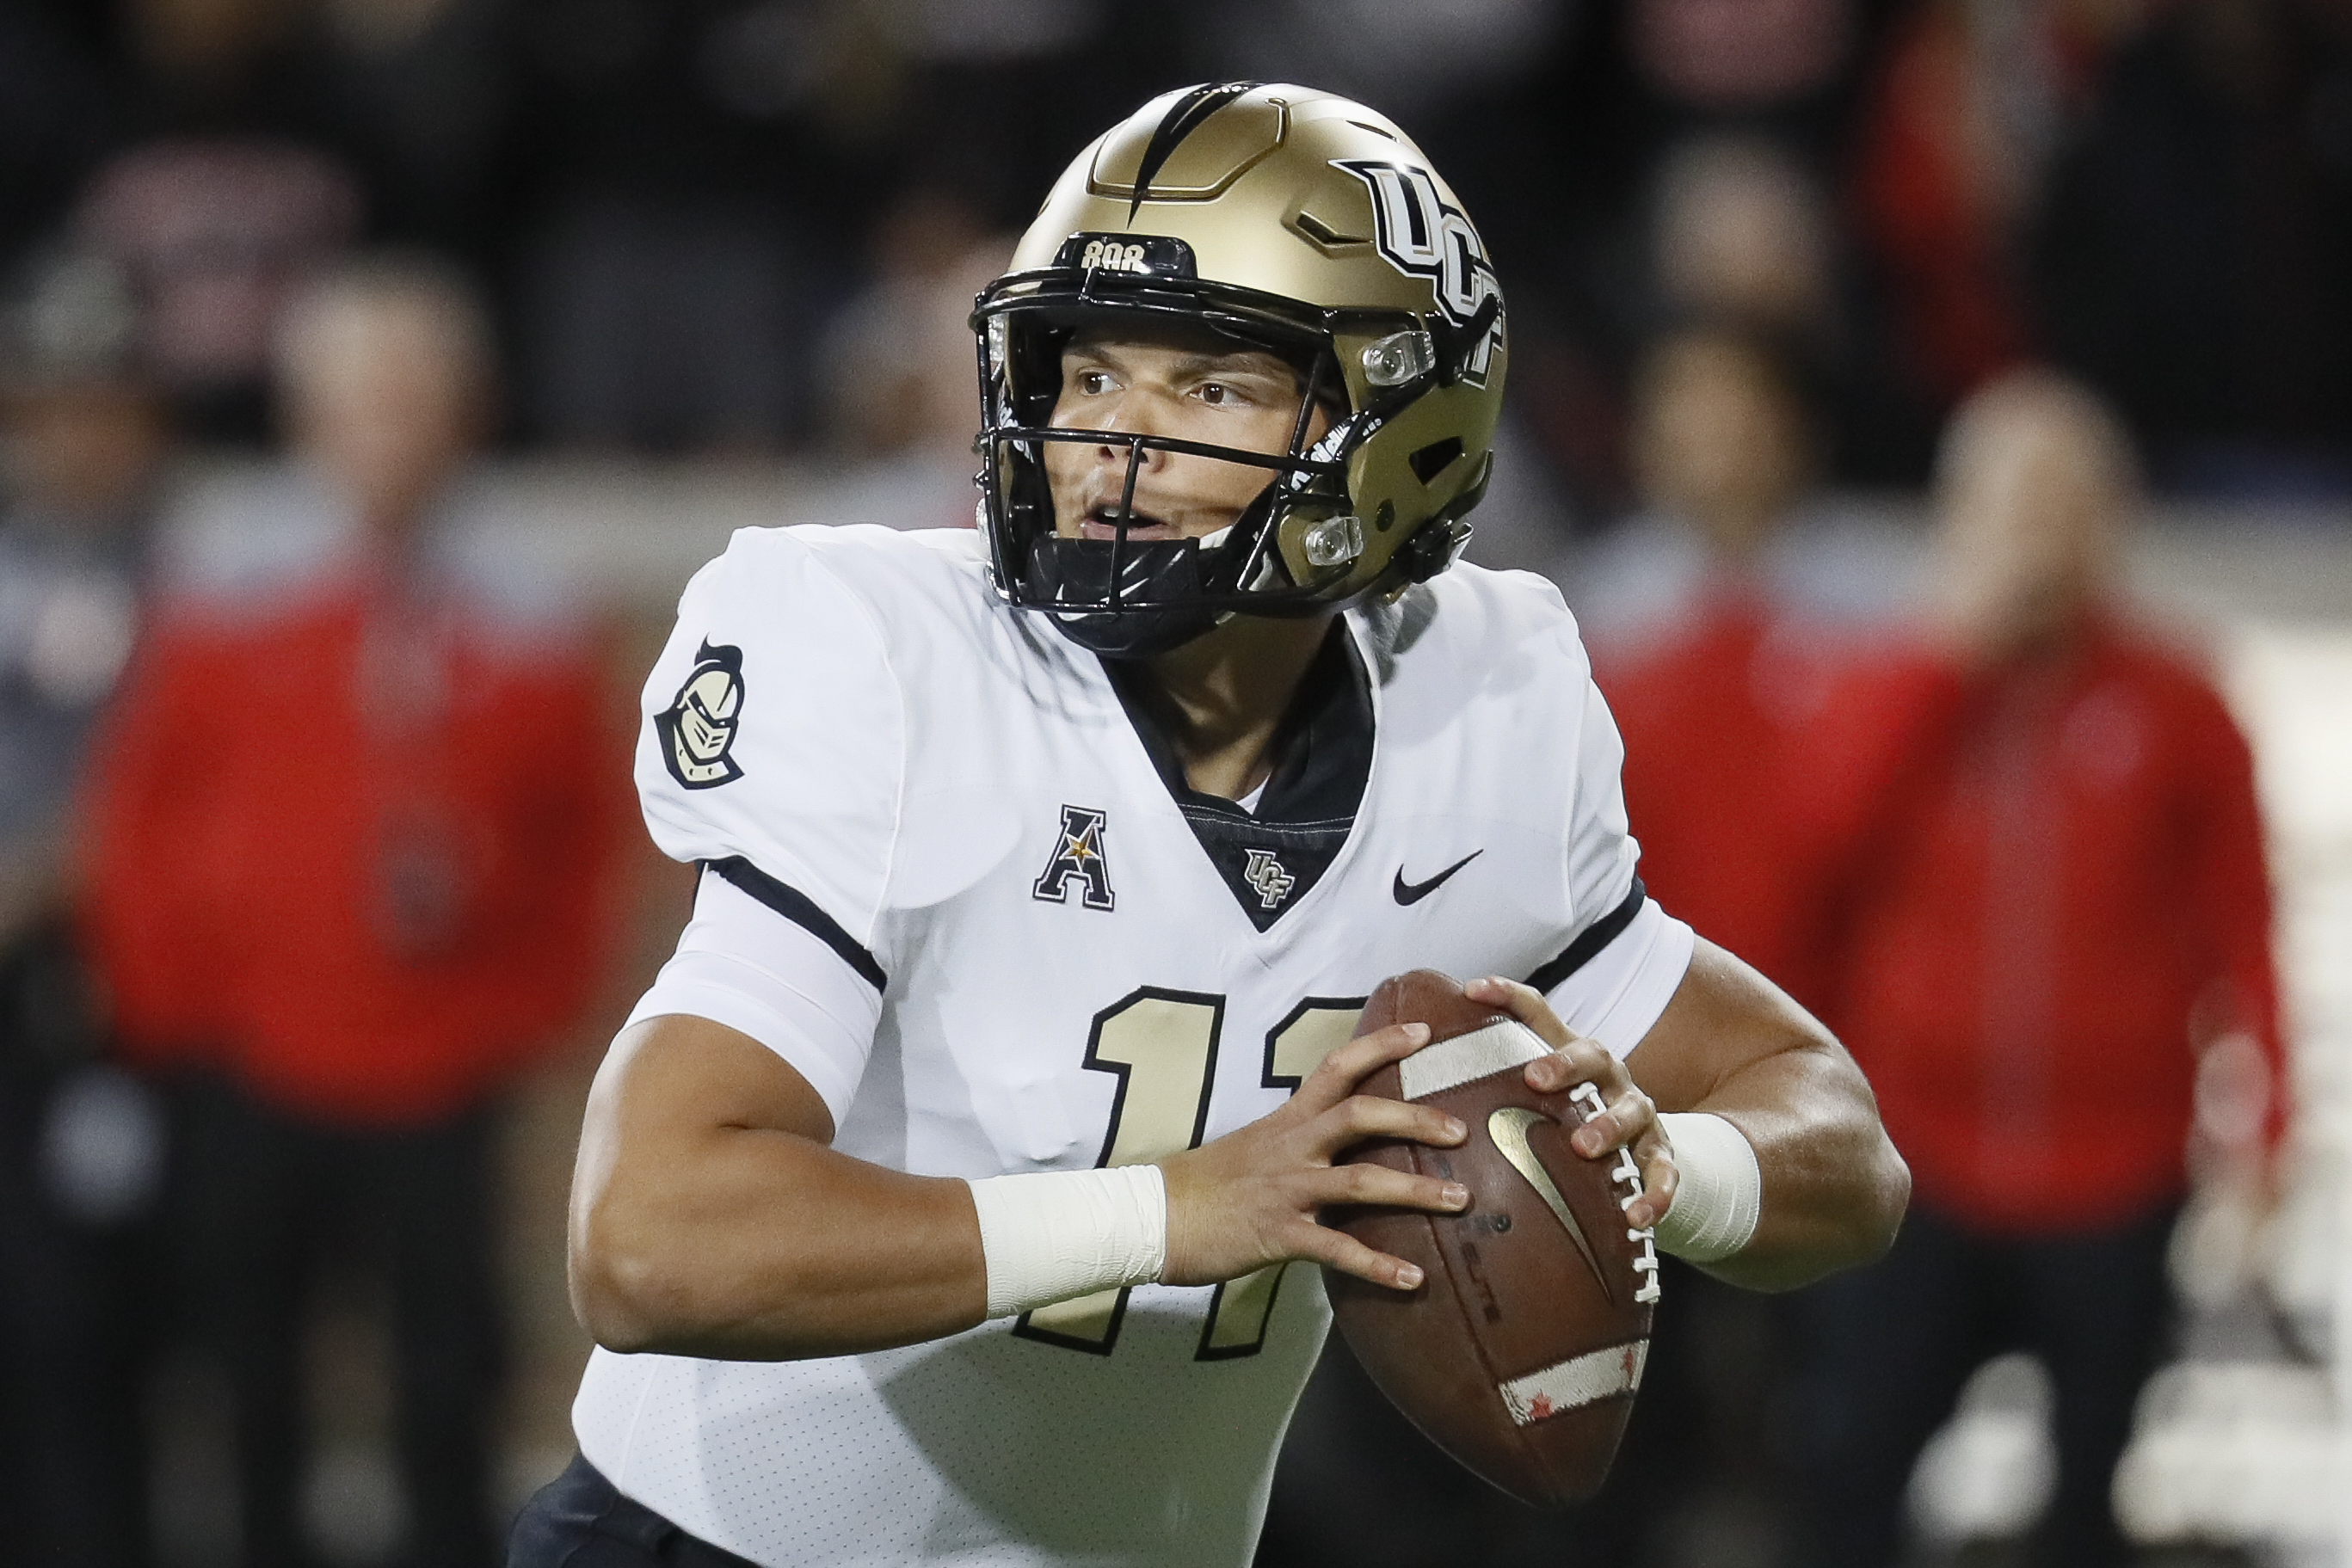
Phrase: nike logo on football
(1414,892)
(1508,1129)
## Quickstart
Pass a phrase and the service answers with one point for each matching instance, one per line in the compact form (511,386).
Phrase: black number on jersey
(1162,1045)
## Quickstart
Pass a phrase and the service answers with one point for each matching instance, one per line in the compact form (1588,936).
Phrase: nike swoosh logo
(1414,892)
(1508,1128)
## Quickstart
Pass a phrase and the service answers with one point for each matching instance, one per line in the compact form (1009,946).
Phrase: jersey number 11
(1162,1047)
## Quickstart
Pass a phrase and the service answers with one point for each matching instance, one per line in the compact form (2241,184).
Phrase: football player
(942,1200)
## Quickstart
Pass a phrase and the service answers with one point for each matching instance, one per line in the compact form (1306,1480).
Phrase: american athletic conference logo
(1080,858)
(1422,235)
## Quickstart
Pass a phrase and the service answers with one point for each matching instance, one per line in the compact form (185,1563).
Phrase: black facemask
(1150,572)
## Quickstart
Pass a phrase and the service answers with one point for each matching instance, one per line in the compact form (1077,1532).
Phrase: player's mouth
(1101,522)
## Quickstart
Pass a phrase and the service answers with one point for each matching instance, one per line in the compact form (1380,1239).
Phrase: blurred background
(373,373)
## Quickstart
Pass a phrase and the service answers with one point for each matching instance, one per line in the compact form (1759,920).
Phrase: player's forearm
(709,1217)
(761,1246)
(1834,1189)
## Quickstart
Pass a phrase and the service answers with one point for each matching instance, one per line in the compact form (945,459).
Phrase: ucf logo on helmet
(1422,236)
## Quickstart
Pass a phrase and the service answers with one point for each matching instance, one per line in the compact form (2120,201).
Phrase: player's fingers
(1338,1249)
(1660,1181)
(1629,1116)
(1580,1061)
(1335,1077)
(1361,1116)
(1370,1186)
(1524,1003)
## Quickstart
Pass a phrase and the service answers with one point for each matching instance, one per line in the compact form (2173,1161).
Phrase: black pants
(80,1310)
(270,1197)
(579,1520)
(1890,1346)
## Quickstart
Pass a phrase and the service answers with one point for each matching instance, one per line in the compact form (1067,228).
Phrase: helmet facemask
(1125,597)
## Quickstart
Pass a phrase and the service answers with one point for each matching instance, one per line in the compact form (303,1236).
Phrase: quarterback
(953,1195)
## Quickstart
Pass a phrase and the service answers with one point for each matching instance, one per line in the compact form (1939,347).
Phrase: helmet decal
(1183,117)
(1424,235)
(1154,255)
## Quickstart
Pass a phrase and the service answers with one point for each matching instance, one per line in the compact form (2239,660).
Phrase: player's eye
(1093,383)
(1219,395)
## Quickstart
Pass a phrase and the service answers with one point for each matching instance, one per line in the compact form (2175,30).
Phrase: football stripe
(1580,1380)
(1450,1064)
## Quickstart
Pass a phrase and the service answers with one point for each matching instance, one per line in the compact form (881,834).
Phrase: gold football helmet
(1289,220)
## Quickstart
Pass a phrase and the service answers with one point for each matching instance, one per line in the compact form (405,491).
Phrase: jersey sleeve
(773,742)
(741,963)
(1626,955)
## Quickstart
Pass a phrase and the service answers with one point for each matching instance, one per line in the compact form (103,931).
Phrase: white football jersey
(1073,966)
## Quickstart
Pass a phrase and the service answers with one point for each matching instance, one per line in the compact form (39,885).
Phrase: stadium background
(729,244)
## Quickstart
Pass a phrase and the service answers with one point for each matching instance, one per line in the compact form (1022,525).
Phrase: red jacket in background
(2059,900)
(356,852)
(1742,820)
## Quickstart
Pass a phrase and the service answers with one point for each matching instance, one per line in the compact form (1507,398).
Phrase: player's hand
(1251,1198)
(1630,1121)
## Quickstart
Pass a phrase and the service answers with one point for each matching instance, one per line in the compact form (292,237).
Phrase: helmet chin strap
(1264,576)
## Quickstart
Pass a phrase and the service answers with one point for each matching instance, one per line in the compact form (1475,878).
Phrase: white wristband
(1049,1236)
(1720,1192)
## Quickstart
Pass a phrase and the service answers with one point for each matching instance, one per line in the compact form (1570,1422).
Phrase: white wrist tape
(1720,1193)
(1050,1236)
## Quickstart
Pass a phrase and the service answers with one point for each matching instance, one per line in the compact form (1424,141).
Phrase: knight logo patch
(1079,859)
(697,728)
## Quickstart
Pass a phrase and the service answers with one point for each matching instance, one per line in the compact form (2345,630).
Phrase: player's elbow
(1883,1197)
(647,1276)
(1841,1213)
(1870,1191)
(625,1291)
(1851,1187)
(1856,1225)
(643,1275)
(1855,1213)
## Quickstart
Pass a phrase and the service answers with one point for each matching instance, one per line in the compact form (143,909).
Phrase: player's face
(1190,387)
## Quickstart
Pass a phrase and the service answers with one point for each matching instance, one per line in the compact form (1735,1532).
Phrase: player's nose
(1133,411)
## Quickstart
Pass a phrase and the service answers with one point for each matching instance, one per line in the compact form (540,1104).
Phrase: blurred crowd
(303,864)
(701,224)
(2008,846)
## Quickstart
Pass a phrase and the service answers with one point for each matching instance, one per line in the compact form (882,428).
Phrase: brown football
(1521,1352)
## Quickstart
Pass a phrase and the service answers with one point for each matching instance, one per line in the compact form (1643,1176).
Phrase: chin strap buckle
(1437,545)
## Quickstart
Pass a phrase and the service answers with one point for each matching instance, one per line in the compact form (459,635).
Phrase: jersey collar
(1270,859)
